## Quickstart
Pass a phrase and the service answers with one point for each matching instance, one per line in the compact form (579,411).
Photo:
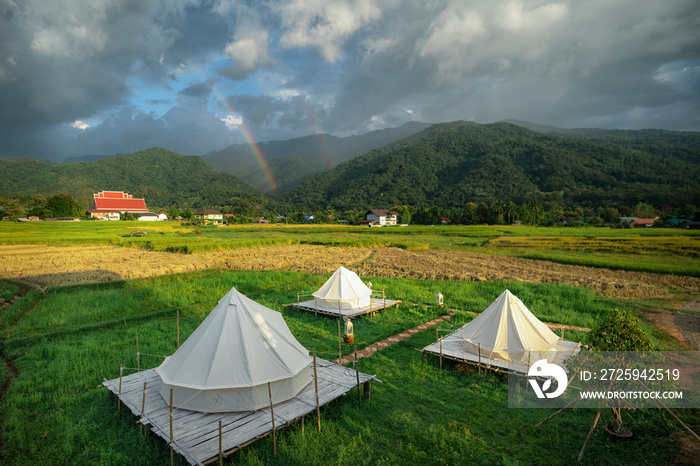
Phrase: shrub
(620,332)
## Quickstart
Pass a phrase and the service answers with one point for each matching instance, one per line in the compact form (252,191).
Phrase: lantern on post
(348,336)
(438,298)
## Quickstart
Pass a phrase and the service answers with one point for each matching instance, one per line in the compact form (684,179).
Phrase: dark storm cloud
(84,76)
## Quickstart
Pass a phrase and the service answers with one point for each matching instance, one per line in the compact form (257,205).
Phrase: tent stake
(221,450)
(318,407)
(357,374)
(272,413)
(315,307)
(302,424)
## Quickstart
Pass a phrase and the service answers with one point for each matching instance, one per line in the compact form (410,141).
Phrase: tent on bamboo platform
(227,362)
(508,331)
(344,290)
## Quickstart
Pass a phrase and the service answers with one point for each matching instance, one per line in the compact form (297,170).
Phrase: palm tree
(498,207)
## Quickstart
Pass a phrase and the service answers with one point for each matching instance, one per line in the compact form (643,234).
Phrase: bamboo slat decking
(377,304)
(196,434)
(451,348)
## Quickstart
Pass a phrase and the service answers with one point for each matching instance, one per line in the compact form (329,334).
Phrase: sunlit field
(74,320)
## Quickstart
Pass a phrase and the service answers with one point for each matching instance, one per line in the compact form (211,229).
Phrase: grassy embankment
(64,341)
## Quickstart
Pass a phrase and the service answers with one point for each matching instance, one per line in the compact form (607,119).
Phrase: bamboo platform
(451,348)
(196,434)
(377,304)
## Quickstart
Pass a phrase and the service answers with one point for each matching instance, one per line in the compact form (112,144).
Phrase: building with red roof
(108,205)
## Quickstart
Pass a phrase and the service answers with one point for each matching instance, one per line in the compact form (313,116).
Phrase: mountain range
(445,164)
(276,167)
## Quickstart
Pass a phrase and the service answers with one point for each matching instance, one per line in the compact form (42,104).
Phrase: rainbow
(250,140)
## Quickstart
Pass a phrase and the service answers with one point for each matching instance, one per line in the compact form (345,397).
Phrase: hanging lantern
(438,298)
(348,336)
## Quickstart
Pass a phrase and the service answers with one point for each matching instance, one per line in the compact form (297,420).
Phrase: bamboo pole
(318,407)
(172,455)
(143,404)
(178,328)
(661,404)
(272,413)
(138,356)
(221,450)
(340,347)
(479,358)
(119,405)
(440,353)
(590,433)
(357,374)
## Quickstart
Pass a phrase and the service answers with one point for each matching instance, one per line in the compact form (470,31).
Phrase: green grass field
(62,343)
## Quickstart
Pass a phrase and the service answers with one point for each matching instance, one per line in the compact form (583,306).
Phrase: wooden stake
(272,413)
(318,407)
(143,403)
(275,304)
(178,328)
(479,358)
(221,450)
(315,306)
(440,353)
(590,433)
(340,347)
(138,365)
(302,425)
(357,373)
(119,405)
(172,456)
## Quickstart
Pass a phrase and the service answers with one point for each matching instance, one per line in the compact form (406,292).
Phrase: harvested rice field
(63,265)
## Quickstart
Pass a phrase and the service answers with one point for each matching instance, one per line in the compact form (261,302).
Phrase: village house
(148,217)
(380,217)
(643,222)
(107,205)
(207,216)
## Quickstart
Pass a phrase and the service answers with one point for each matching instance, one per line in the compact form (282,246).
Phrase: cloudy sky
(81,77)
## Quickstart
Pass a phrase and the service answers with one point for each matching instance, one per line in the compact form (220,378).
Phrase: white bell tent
(344,290)
(227,362)
(508,331)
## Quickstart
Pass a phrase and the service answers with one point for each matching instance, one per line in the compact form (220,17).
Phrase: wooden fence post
(357,374)
(272,413)
(318,407)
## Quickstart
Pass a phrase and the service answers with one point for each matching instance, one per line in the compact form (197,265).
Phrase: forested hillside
(293,161)
(162,177)
(450,164)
